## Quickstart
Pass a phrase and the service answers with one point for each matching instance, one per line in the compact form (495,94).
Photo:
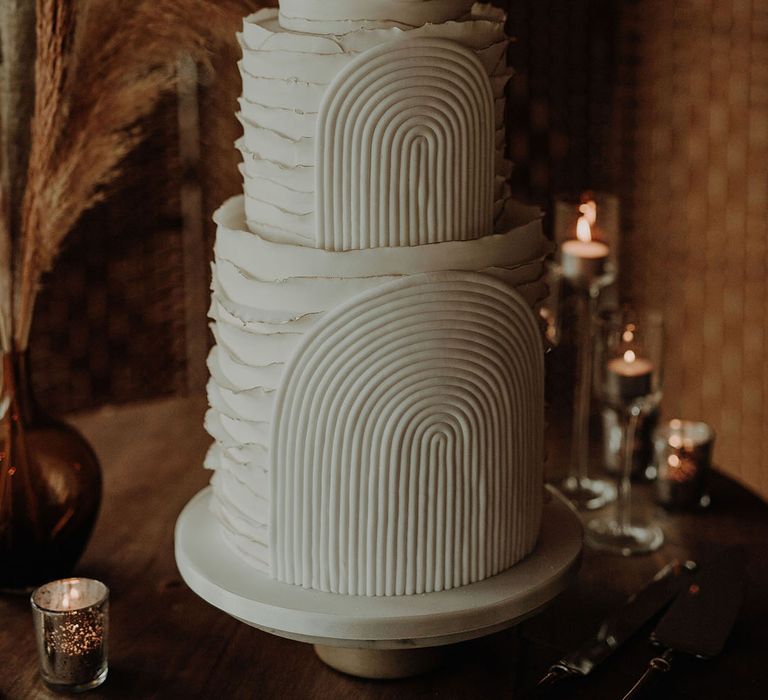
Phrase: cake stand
(377,637)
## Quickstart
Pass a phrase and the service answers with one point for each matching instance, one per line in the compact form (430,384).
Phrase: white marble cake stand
(377,637)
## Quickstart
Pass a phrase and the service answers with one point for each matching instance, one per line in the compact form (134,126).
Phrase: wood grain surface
(167,643)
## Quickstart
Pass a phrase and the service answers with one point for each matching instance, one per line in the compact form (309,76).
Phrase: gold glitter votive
(71,619)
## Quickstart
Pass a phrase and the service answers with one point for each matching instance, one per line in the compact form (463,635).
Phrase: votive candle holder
(71,619)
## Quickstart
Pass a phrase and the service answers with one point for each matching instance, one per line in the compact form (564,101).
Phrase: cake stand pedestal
(377,637)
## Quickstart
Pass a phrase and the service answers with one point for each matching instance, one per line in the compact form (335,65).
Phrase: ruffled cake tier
(286,73)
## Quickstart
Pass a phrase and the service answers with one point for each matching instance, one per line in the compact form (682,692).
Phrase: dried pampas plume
(6,247)
(101,68)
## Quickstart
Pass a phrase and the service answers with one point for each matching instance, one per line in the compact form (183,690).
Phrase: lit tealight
(584,259)
(629,377)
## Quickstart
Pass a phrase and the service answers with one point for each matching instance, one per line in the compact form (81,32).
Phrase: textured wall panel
(109,323)
(698,212)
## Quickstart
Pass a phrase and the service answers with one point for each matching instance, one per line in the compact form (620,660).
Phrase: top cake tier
(342,16)
(375,137)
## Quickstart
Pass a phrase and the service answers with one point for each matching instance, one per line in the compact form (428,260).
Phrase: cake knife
(700,619)
(615,630)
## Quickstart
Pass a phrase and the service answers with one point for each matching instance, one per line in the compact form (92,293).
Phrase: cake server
(700,619)
(615,630)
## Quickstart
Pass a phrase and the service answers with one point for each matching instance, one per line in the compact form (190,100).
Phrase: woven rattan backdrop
(109,324)
(664,103)
(697,185)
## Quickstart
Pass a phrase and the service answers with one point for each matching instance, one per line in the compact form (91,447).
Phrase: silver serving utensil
(615,630)
(700,619)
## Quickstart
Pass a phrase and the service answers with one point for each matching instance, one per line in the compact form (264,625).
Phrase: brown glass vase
(50,486)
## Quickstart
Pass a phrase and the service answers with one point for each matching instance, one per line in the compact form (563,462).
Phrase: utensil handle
(657,667)
(555,675)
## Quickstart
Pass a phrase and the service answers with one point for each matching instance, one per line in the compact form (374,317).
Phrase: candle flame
(589,210)
(588,218)
(583,230)
(629,356)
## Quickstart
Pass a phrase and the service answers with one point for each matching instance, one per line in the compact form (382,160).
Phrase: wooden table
(167,643)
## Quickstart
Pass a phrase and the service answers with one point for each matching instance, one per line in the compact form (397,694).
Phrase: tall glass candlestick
(630,383)
(585,264)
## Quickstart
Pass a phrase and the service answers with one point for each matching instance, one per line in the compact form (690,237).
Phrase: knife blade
(640,607)
(701,618)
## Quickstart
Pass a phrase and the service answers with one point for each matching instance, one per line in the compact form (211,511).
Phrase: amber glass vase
(50,486)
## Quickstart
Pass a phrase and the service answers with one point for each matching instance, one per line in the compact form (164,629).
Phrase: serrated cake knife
(615,630)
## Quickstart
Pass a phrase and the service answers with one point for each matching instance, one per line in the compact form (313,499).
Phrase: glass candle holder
(643,460)
(550,309)
(584,229)
(684,458)
(71,619)
(631,384)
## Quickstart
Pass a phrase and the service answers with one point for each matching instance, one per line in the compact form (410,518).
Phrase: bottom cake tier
(378,414)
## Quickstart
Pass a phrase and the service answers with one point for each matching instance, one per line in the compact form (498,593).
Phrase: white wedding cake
(376,391)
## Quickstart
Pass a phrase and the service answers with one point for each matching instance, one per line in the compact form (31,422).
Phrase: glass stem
(624,497)
(586,308)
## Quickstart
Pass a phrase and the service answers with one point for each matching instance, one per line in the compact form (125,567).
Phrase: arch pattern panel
(405,148)
(407,441)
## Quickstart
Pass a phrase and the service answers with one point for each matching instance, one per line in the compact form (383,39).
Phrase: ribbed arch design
(405,148)
(407,441)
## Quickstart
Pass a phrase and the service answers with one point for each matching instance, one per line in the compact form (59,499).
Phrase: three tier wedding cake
(376,391)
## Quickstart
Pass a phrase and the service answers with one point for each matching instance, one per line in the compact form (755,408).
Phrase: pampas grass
(17,46)
(6,283)
(102,66)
